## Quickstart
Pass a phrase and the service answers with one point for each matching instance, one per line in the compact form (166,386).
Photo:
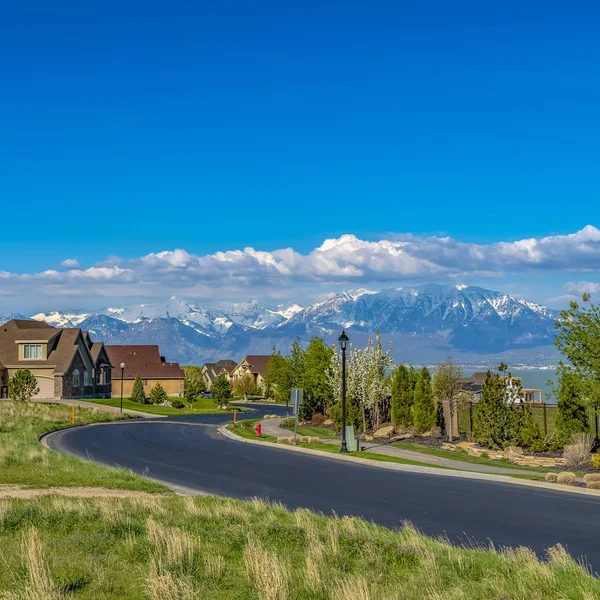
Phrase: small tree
(138,395)
(424,413)
(221,390)
(158,395)
(494,416)
(448,391)
(244,386)
(22,386)
(193,384)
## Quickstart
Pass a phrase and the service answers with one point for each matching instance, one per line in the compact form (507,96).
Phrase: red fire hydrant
(258,429)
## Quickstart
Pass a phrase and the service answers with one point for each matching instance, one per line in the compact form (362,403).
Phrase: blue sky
(130,129)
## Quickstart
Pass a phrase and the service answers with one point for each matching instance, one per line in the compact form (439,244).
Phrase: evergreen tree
(528,434)
(424,412)
(572,415)
(494,417)
(221,390)
(158,395)
(138,395)
(22,386)
(402,397)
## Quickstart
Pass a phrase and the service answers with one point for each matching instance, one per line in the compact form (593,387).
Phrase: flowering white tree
(365,376)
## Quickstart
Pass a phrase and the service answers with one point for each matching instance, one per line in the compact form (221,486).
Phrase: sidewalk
(272,427)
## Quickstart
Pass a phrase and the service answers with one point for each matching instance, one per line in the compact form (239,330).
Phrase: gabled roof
(142,360)
(257,363)
(62,344)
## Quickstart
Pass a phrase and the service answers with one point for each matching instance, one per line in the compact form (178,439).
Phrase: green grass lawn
(203,406)
(325,433)
(24,461)
(219,549)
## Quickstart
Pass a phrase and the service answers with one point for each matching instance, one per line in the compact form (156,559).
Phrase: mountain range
(425,324)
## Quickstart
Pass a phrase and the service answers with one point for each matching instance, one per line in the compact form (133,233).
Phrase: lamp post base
(344,448)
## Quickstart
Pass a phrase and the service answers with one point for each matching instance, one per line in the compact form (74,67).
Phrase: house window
(86,378)
(144,382)
(32,351)
(75,378)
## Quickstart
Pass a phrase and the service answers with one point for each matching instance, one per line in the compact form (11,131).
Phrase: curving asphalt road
(189,454)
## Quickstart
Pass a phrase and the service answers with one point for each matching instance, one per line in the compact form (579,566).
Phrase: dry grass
(269,575)
(173,547)
(40,586)
(217,549)
(591,477)
(162,585)
(579,452)
(551,477)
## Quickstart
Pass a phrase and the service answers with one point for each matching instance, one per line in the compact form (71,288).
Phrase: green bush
(353,415)
(177,403)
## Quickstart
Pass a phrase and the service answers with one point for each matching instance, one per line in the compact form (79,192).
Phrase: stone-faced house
(145,361)
(65,361)
(210,371)
(255,364)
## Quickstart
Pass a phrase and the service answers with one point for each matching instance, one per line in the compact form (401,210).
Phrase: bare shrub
(317,420)
(314,440)
(436,432)
(566,478)
(593,485)
(591,477)
(283,440)
(551,477)
(579,452)
(304,439)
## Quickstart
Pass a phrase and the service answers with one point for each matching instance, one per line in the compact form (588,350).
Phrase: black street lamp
(343,340)
(122,377)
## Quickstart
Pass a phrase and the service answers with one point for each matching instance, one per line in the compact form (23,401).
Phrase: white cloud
(582,287)
(344,261)
(70,263)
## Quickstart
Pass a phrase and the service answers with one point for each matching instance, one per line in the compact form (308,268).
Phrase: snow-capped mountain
(10,316)
(61,319)
(424,323)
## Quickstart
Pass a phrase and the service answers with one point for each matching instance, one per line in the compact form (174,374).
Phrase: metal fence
(543,414)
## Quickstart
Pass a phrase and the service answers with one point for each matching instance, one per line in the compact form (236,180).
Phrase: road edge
(425,470)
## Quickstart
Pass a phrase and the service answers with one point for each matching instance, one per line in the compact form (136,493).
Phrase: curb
(425,470)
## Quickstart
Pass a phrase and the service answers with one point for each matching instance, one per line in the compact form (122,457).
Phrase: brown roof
(142,360)
(228,365)
(257,362)
(62,344)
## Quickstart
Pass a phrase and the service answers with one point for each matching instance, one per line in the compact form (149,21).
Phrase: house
(255,364)
(65,361)
(210,371)
(474,384)
(145,361)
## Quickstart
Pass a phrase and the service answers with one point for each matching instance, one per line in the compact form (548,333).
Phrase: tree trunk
(364,420)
